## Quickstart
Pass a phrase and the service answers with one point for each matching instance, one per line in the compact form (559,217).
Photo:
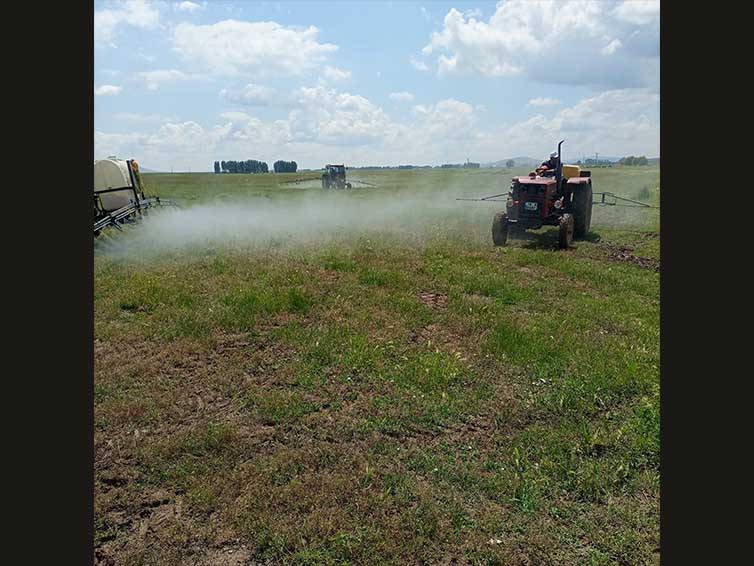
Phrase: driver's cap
(554,154)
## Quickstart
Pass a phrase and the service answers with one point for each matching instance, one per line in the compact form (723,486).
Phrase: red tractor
(558,197)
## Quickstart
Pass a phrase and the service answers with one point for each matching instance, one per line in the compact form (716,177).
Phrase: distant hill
(145,170)
(520,162)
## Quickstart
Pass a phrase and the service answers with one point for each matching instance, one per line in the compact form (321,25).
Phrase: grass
(401,393)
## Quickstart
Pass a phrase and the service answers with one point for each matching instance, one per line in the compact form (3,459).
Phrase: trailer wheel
(566,231)
(582,210)
(500,229)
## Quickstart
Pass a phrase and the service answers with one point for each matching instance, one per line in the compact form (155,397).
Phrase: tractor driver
(549,165)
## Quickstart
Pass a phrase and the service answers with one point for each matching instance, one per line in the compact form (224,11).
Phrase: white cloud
(551,41)
(401,96)
(448,119)
(639,12)
(611,47)
(326,124)
(108,90)
(336,118)
(182,137)
(106,144)
(418,65)
(189,6)
(137,13)
(618,122)
(544,102)
(233,47)
(251,95)
(336,74)
(153,79)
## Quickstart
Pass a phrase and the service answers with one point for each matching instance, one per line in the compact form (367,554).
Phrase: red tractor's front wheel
(500,229)
(566,231)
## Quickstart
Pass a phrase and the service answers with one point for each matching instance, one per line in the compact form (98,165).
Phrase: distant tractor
(334,177)
(559,197)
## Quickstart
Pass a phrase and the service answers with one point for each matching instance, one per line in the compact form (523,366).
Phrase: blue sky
(181,84)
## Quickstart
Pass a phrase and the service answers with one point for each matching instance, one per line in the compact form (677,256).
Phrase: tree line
(285,166)
(254,166)
(631,160)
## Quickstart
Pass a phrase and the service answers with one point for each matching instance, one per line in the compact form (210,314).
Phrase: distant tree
(630,160)
(641,160)
(245,166)
(281,166)
(510,164)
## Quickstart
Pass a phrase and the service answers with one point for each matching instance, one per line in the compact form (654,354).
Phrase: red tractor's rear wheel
(566,231)
(582,210)
(500,229)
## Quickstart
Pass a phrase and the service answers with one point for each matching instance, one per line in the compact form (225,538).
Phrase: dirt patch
(433,336)
(433,300)
(622,253)
(238,555)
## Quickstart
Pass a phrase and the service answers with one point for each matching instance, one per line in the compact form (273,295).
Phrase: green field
(285,375)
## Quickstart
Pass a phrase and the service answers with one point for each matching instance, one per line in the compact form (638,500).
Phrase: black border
(54,334)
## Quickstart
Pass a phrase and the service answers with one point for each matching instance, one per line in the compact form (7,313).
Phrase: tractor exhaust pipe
(559,170)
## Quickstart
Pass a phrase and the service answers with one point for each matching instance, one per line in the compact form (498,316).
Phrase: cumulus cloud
(418,65)
(336,118)
(189,6)
(401,96)
(544,102)
(553,42)
(251,95)
(153,79)
(617,121)
(611,47)
(336,74)
(327,123)
(137,13)
(448,119)
(233,47)
(638,12)
(108,90)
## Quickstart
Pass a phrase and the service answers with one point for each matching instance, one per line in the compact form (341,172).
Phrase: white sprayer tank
(113,174)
